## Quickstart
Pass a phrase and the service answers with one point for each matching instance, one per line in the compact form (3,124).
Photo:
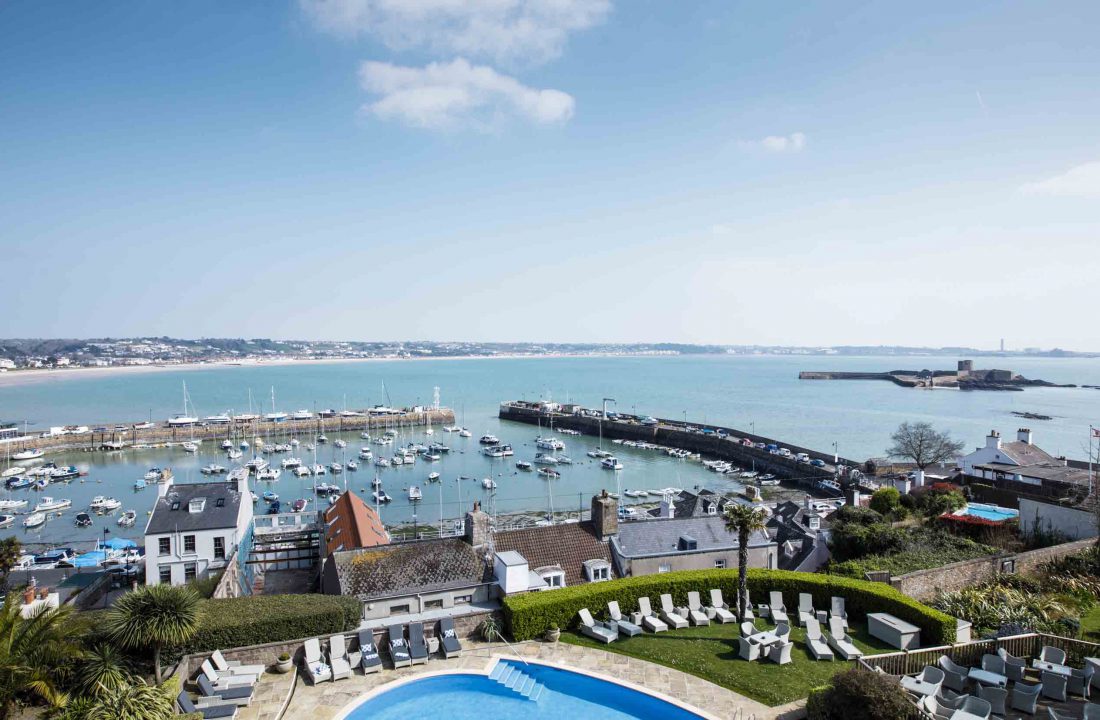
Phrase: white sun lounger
(233,667)
(718,606)
(669,614)
(837,611)
(595,630)
(338,658)
(625,626)
(695,610)
(840,641)
(776,609)
(221,682)
(806,608)
(315,666)
(815,642)
(647,618)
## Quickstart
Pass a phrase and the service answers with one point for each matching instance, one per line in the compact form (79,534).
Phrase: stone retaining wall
(926,584)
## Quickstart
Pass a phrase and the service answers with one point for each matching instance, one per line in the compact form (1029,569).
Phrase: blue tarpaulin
(120,543)
(91,559)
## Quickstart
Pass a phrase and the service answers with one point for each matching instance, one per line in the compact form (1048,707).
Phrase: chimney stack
(605,515)
(477,527)
(993,440)
(1024,435)
(852,495)
(164,485)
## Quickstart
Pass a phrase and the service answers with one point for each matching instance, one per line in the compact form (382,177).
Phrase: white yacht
(383,440)
(270,474)
(34,520)
(451,428)
(381,461)
(352,466)
(611,463)
(414,493)
(488,484)
(302,471)
(549,443)
(336,468)
(318,469)
(365,454)
(275,416)
(291,462)
(104,504)
(598,454)
(302,415)
(380,496)
(222,419)
(433,477)
(488,439)
(465,433)
(32,454)
(190,447)
(213,469)
(7,521)
(6,505)
(545,459)
(182,421)
(48,503)
(234,454)
(398,460)
(340,443)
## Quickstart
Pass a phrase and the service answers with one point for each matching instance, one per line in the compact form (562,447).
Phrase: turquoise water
(476,697)
(989,512)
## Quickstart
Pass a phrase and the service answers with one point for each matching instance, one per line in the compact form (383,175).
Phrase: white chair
(783,632)
(315,667)
(1054,686)
(1079,681)
(840,641)
(776,609)
(956,675)
(233,667)
(997,697)
(695,610)
(816,643)
(780,653)
(595,630)
(338,658)
(806,608)
(1014,666)
(974,707)
(647,618)
(928,682)
(747,650)
(1025,696)
(1051,655)
(718,606)
(836,610)
(625,626)
(669,614)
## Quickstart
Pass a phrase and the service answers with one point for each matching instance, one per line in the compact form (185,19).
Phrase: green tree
(743,520)
(887,501)
(10,550)
(923,444)
(105,668)
(35,653)
(135,700)
(154,616)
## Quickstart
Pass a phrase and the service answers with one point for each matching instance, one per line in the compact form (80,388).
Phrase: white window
(720,564)
(663,568)
(601,573)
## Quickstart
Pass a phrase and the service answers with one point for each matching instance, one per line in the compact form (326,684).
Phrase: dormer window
(597,570)
(712,509)
(815,522)
(197,505)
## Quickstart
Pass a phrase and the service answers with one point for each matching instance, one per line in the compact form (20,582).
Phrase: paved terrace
(324,701)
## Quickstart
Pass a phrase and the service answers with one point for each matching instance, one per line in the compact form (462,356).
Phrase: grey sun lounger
(448,638)
(840,641)
(669,614)
(213,711)
(315,666)
(625,626)
(338,658)
(418,649)
(595,630)
(237,695)
(233,667)
(719,607)
(776,609)
(815,642)
(647,618)
(695,610)
(369,658)
(222,682)
(806,608)
(399,647)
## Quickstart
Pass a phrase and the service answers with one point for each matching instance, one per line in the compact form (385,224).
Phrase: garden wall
(926,584)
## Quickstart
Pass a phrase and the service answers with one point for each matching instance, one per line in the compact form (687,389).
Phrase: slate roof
(567,546)
(1054,471)
(409,568)
(1023,453)
(171,514)
(689,504)
(788,525)
(661,536)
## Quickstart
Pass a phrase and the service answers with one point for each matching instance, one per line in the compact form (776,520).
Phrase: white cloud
(529,30)
(457,94)
(779,143)
(1080,181)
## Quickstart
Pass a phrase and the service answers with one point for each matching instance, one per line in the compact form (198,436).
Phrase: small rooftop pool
(514,690)
(994,513)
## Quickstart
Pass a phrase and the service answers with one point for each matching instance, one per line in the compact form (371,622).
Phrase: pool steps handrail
(497,633)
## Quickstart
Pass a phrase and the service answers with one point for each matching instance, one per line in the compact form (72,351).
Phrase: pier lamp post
(752,426)
(836,453)
(685,418)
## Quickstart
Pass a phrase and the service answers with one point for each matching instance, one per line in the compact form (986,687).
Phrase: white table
(896,632)
(1052,667)
(987,677)
(764,639)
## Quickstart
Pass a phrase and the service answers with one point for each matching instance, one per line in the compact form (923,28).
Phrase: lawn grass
(1090,625)
(710,652)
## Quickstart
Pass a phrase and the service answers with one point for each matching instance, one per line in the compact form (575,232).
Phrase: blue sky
(581,170)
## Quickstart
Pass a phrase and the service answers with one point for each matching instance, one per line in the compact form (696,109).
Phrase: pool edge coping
(494,660)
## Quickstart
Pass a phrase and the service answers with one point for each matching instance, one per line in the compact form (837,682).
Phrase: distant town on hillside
(105,352)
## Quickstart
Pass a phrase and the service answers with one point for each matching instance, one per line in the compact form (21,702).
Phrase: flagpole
(1092,434)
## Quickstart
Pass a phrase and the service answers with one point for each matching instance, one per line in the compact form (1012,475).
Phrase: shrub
(941,498)
(887,501)
(530,616)
(908,502)
(235,622)
(859,695)
(851,541)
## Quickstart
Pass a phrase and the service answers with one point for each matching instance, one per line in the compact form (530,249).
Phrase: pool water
(995,513)
(474,696)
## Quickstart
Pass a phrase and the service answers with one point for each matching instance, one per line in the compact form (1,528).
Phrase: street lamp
(836,453)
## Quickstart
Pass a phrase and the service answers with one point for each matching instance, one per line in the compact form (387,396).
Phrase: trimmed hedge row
(530,616)
(235,622)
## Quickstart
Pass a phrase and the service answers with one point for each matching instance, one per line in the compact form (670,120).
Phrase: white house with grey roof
(691,543)
(194,529)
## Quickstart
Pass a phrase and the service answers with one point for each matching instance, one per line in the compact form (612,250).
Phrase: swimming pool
(516,691)
(996,513)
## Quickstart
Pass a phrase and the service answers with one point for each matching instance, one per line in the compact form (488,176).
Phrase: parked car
(817,463)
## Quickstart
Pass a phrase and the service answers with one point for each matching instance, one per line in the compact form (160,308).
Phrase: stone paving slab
(324,701)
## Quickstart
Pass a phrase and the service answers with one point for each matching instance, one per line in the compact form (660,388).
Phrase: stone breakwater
(120,436)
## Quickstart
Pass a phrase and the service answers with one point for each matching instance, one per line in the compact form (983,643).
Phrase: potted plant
(283,664)
(553,634)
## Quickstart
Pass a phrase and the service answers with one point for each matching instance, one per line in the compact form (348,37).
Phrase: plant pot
(283,666)
(553,635)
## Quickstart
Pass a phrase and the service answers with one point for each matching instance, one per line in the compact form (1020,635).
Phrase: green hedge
(235,622)
(531,615)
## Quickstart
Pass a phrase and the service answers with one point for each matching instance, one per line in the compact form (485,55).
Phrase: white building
(194,529)
(1020,452)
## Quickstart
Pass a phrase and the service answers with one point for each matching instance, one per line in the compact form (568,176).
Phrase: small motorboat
(227,444)
(153,475)
(299,505)
(365,454)
(48,503)
(274,508)
(234,454)
(414,493)
(83,519)
(140,484)
(397,460)
(635,493)
(380,496)
(598,454)
(104,504)
(17,483)
(340,443)
(439,448)
(270,474)
(611,463)
(544,459)
(488,439)
(214,469)
(382,462)
(10,505)
(352,466)
(489,484)
(433,457)
(7,521)
(27,455)
(34,520)
(190,447)
(433,477)
(549,443)
(127,519)
(524,465)
(549,473)
(365,435)
(465,433)
(321,439)
(565,460)
(243,445)
(269,496)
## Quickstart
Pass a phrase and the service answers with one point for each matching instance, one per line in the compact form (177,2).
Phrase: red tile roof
(351,524)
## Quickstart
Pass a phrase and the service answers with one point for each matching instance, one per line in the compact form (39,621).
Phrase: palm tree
(35,652)
(155,615)
(105,668)
(743,520)
(134,700)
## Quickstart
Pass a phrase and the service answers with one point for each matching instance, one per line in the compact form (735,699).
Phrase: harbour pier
(742,448)
(119,436)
